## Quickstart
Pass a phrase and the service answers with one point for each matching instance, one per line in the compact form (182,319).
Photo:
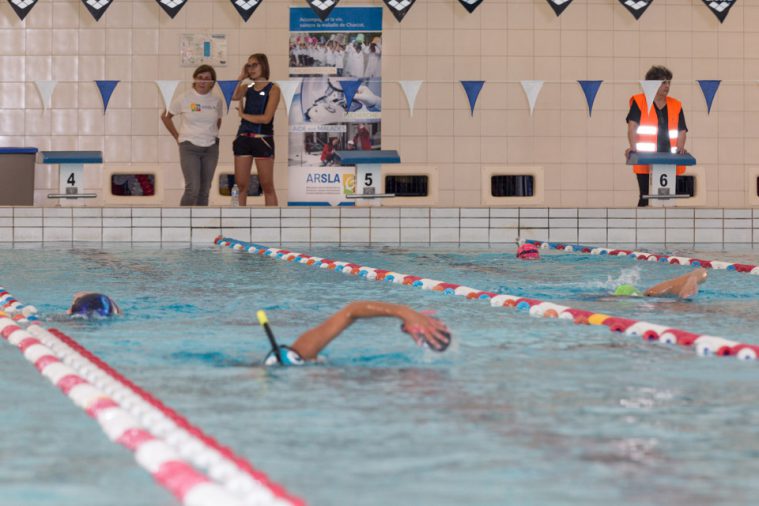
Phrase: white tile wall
(711,227)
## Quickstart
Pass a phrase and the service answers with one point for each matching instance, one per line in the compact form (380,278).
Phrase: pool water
(519,410)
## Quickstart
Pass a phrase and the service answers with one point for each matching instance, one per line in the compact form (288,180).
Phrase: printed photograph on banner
(336,54)
(315,145)
(337,105)
(324,101)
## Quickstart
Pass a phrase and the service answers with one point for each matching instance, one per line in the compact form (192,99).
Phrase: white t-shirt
(200,117)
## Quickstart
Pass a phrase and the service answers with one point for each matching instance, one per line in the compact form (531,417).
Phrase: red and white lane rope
(702,343)
(649,257)
(164,442)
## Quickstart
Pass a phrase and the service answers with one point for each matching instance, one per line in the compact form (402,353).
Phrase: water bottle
(235,196)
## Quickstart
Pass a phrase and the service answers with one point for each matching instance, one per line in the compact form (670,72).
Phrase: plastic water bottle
(235,196)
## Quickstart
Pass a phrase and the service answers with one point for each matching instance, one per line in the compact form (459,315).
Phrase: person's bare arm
(632,137)
(311,342)
(682,287)
(169,124)
(271,108)
(681,137)
(241,86)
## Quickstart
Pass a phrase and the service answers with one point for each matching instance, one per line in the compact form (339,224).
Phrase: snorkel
(264,321)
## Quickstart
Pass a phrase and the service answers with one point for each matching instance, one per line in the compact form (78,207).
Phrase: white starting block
(369,182)
(71,172)
(663,175)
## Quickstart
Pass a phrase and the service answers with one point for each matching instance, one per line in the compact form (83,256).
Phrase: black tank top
(255,103)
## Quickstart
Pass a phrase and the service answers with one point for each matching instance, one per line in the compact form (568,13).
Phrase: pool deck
(677,227)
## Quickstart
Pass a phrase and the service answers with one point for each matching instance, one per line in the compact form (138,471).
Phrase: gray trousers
(198,165)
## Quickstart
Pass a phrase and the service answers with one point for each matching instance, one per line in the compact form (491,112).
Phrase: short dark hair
(659,73)
(264,62)
(202,70)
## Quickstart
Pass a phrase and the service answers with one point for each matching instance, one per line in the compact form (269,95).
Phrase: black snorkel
(264,321)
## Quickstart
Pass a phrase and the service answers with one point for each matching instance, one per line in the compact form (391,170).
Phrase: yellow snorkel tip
(262,319)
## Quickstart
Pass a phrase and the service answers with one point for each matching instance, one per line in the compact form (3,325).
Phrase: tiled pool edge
(383,225)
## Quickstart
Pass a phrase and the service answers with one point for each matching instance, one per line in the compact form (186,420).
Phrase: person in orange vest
(660,128)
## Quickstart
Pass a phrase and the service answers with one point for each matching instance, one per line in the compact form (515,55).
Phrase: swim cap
(93,304)
(287,355)
(627,290)
(528,251)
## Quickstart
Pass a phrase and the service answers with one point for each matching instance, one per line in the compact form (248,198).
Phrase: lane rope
(703,344)
(164,442)
(644,256)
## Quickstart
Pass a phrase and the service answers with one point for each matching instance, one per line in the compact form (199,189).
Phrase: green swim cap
(627,290)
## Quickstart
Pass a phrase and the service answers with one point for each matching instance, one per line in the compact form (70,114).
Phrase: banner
(228,89)
(558,6)
(720,8)
(590,88)
(470,5)
(472,89)
(649,90)
(322,8)
(22,7)
(410,89)
(171,7)
(45,89)
(106,90)
(167,89)
(636,7)
(709,89)
(246,8)
(399,8)
(97,7)
(532,90)
(337,103)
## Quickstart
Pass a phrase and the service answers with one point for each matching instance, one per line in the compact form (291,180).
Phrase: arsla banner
(337,104)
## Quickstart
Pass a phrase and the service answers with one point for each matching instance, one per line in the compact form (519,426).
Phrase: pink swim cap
(528,251)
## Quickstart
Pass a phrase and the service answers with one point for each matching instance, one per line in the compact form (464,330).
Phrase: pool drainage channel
(703,344)
(645,256)
(164,443)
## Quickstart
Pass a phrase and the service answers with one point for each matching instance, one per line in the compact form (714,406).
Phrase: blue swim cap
(287,356)
(93,304)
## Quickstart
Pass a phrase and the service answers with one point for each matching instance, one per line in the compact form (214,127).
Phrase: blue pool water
(518,411)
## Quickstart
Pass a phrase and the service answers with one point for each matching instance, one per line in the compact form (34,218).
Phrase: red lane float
(703,344)
(140,422)
(651,257)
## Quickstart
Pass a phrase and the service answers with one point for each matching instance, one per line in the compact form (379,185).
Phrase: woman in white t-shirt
(198,134)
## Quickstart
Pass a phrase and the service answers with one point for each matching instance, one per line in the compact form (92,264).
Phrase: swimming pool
(518,411)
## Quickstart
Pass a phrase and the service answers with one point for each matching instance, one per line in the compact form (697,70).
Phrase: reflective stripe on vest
(648,129)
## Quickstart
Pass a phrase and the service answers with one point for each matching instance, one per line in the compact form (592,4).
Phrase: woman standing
(198,135)
(255,137)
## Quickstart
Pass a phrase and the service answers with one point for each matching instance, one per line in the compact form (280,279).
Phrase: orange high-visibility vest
(648,129)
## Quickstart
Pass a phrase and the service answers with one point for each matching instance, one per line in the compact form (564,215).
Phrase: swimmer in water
(528,251)
(91,304)
(681,287)
(424,329)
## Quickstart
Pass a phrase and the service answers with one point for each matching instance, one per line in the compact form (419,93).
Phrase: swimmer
(424,329)
(89,304)
(528,251)
(682,287)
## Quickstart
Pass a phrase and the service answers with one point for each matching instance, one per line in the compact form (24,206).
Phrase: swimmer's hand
(425,329)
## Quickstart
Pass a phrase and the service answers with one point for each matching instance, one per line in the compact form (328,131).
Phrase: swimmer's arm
(311,342)
(271,108)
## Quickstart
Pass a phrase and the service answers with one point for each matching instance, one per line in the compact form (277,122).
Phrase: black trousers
(643,188)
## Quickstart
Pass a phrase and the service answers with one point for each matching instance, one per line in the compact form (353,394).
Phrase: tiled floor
(378,225)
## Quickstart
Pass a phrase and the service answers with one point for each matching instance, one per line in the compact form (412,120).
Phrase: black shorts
(257,147)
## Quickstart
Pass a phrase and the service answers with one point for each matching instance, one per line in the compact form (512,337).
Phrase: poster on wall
(198,49)
(324,118)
